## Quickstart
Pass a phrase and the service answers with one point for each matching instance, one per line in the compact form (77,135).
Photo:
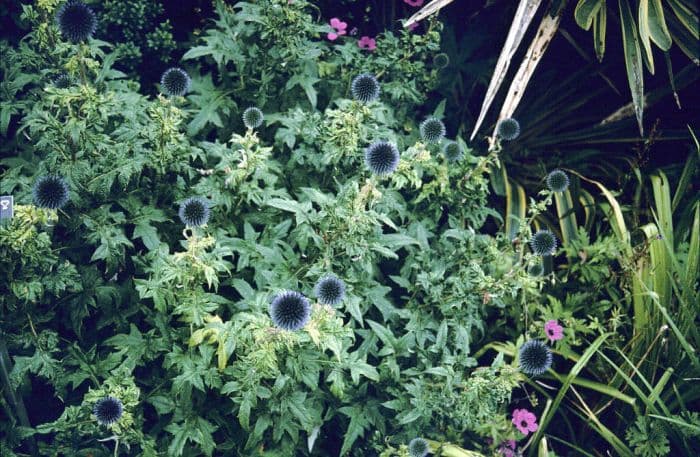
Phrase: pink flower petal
(553,330)
(332,36)
(342,26)
(335,22)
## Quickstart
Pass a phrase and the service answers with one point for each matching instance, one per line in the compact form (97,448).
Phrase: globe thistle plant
(330,290)
(508,129)
(452,151)
(175,81)
(432,130)
(382,157)
(290,310)
(365,88)
(108,410)
(534,357)
(418,447)
(557,181)
(194,212)
(441,60)
(252,117)
(543,242)
(62,81)
(76,21)
(50,192)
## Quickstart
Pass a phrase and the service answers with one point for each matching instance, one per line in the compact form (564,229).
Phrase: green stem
(15,400)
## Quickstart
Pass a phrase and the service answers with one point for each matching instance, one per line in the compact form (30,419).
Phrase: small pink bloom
(414,2)
(553,330)
(413,27)
(367,43)
(524,421)
(339,27)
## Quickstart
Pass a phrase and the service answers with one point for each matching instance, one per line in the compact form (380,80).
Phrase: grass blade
(575,370)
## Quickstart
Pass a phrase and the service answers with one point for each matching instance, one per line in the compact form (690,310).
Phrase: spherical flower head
(194,212)
(50,192)
(543,242)
(382,158)
(365,88)
(536,270)
(290,310)
(432,130)
(534,357)
(330,290)
(508,129)
(452,151)
(253,117)
(108,410)
(418,447)
(175,81)
(76,21)
(557,181)
(414,3)
(553,330)
(441,60)
(62,81)
(524,421)
(367,43)
(339,28)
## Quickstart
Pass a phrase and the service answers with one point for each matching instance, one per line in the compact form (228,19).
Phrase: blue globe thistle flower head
(108,410)
(441,60)
(382,158)
(175,82)
(76,21)
(432,130)
(365,88)
(253,117)
(62,81)
(50,192)
(534,357)
(194,212)
(557,181)
(508,129)
(418,447)
(290,310)
(330,290)
(452,151)
(536,270)
(543,242)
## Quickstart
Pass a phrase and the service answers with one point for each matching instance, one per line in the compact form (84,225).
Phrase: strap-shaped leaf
(585,12)
(658,30)
(523,16)
(599,27)
(644,34)
(633,61)
(545,33)
(687,16)
(427,10)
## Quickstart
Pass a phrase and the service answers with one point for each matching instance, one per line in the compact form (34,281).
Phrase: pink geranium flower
(553,330)
(414,2)
(524,421)
(339,27)
(367,43)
